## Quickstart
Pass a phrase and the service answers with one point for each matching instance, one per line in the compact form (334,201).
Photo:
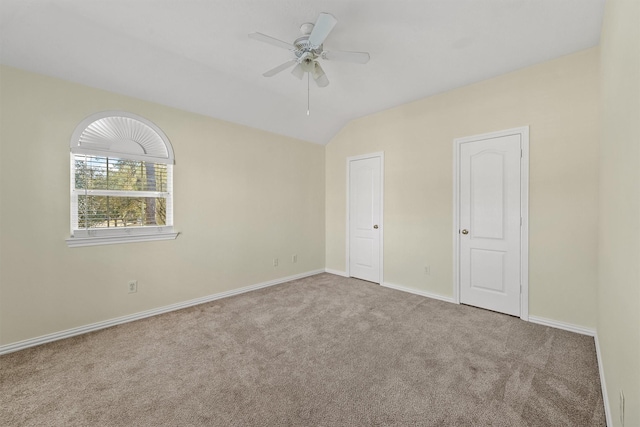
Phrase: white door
(490,223)
(365,214)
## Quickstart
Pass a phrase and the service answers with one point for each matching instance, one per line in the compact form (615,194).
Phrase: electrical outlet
(275,262)
(622,408)
(427,270)
(294,259)
(133,286)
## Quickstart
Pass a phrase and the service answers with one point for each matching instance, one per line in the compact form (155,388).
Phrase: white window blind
(111,193)
(125,135)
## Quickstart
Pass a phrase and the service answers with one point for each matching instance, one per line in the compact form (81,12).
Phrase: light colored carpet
(320,351)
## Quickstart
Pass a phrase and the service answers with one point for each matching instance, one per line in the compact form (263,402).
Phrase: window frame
(115,235)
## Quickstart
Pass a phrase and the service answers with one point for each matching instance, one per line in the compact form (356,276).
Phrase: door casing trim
(524,212)
(380,155)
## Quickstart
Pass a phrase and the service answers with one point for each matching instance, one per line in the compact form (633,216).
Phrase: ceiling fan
(308,49)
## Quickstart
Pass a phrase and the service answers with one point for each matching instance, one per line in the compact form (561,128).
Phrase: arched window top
(122,135)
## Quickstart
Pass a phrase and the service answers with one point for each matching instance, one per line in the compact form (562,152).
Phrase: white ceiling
(195,54)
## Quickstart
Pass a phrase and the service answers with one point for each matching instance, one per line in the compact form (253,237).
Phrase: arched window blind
(121,181)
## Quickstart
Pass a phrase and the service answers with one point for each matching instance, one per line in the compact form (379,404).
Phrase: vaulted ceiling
(195,55)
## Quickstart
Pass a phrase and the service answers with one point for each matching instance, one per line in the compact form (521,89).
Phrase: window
(121,181)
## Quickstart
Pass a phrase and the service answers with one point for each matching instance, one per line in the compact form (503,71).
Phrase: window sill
(75,242)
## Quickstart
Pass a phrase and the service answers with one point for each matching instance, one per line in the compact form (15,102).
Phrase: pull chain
(308,79)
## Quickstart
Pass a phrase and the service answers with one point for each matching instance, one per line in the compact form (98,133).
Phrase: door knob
(375,226)
(465,231)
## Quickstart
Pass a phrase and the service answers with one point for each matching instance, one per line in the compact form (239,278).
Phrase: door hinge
(520,221)
(521,155)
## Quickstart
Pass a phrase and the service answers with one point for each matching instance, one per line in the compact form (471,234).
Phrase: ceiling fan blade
(298,71)
(339,55)
(319,76)
(322,28)
(273,41)
(279,68)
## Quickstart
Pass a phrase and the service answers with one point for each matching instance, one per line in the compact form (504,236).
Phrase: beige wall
(559,101)
(242,197)
(619,261)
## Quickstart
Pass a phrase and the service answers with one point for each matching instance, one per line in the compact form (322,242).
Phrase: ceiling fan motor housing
(302,46)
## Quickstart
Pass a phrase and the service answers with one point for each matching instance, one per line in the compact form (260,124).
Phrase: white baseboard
(418,292)
(561,325)
(603,383)
(21,345)
(398,287)
(336,272)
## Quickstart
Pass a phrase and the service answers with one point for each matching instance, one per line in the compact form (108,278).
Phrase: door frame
(523,132)
(380,155)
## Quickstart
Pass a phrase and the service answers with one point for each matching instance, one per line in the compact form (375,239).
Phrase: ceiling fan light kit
(308,49)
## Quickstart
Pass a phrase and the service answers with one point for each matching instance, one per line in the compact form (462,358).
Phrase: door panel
(489,204)
(364,218)
(487,195)
(487,269)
